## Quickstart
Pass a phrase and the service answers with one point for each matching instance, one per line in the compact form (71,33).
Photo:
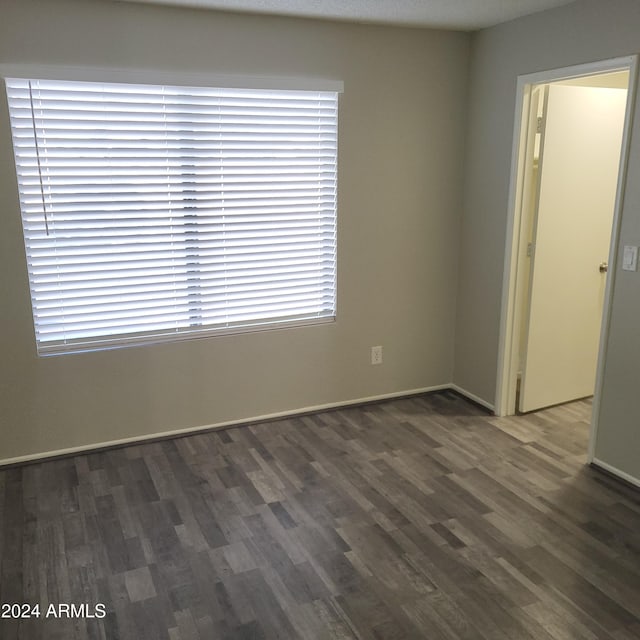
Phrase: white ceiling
(466,15)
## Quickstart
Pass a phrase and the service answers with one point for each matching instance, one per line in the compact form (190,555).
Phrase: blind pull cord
(35,136)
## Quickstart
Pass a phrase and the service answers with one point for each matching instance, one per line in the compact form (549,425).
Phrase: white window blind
(155,212)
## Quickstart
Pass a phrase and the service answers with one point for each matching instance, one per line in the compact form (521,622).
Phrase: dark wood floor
(417,518)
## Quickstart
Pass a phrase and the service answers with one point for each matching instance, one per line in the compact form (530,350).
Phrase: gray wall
(581,32)
(400,165)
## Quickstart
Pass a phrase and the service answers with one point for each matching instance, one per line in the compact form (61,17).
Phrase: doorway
(570,144)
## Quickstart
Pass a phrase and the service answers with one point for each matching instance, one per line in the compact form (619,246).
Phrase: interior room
(273,351)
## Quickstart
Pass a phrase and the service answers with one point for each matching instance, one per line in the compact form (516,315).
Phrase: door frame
(509,320)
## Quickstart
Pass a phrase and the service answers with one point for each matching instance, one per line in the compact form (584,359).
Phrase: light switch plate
(630,258)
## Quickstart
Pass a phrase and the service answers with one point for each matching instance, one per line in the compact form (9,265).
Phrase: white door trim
(507,351)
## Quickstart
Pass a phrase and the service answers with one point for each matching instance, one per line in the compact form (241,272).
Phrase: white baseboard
(616,472)
(471,396)
(220,425)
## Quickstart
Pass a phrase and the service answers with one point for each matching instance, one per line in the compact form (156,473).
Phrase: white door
(579,164)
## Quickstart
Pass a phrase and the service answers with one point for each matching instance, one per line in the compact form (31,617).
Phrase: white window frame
(150,77)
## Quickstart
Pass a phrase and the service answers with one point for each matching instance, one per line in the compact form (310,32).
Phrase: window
(153,212)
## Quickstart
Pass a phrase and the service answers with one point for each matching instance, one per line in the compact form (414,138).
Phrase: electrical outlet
(376,355)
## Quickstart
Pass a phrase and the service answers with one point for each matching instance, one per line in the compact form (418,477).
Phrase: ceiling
(466,15)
